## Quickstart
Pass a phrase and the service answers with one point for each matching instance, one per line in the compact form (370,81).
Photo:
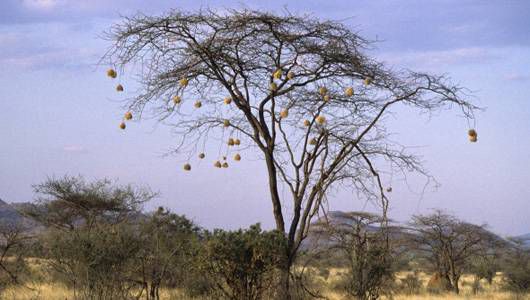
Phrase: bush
(411,284)
(517,268)
(241,264)
(98,262)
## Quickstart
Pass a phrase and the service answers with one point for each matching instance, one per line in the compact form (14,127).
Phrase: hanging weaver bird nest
(277,74)
(284,113)
(119,88)
(224,157)
(273,86)
(307,123)
(472,135)
(313,141)
(231,142)
(368,80)
(198,104)
(321,119)
(228,100)
(225,165)
(112,73)
(122,125)
(389,189)
(323,91)
(177,99)
(183,82)
(290,75)
(217,164)
(202,155)
(326,98)
(237,157)
(226,123)
(237,142)
(128,115)
(187,167)
(348,91)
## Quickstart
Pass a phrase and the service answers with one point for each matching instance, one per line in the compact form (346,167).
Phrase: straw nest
(187,167)
(284,113)
(472,135)
(198,104)
(202,155)
(112,73)
(277,74)
(183,82)
(176,99)
(348,91)
(119,88)
(128,115)
(237,157)
(122,125)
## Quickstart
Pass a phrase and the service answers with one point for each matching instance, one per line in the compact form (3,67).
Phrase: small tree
(242,264)
(299,90)
(14,239)
(516,267)
(367,249)
(90,241)
(449,244)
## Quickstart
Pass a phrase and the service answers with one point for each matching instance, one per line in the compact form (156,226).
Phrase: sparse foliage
(368,253)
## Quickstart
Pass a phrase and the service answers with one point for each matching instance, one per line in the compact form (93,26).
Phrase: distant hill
(318,236)
(9,214)
(525,238)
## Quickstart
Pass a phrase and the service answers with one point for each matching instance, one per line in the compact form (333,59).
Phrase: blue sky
(59,115)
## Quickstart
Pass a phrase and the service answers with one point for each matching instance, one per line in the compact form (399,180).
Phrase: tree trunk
(456,289)
(273,189)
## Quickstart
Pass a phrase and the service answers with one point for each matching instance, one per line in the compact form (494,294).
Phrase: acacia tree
(450,244)
(299,90)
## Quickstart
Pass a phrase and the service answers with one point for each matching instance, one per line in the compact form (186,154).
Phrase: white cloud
(42,4)
(74,149)
(432,59)
(517,77)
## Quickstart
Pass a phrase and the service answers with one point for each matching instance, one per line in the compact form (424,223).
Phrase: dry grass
(57,291)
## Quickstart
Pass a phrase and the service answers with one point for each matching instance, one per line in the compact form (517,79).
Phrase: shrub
(411,284)
(241,264)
